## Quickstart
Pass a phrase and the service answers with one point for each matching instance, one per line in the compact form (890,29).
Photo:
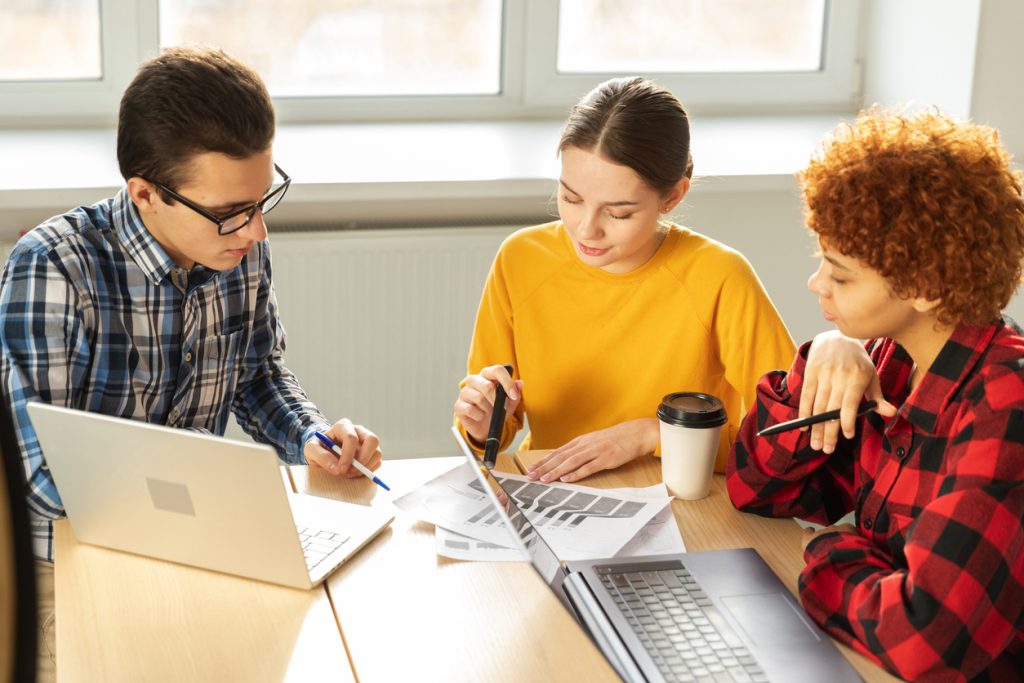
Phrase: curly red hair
(930,203)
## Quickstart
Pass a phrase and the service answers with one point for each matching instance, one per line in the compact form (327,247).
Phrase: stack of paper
(578,522)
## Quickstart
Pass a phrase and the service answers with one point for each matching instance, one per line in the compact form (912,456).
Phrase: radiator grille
(379,323)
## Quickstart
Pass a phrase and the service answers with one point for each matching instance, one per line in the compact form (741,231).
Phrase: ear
(675,195)
(143,194)
(923,305)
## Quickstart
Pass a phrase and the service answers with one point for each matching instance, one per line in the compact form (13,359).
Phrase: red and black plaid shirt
(931,584)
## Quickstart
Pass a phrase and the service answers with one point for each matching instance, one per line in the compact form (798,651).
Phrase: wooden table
(395,612)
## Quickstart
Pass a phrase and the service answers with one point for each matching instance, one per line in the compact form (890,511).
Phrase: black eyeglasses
(236,220)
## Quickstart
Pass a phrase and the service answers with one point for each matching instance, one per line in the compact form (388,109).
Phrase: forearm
(272,408)
(781,475)
(947,608)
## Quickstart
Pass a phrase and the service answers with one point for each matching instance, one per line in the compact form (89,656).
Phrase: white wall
(997,98)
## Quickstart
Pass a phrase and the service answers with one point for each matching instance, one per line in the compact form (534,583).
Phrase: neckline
(672,234)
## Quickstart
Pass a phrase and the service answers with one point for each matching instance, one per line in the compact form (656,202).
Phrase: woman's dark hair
(636,123)
(187,101)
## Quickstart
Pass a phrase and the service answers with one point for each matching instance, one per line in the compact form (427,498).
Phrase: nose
(816,283)
(255,229)
(589,227)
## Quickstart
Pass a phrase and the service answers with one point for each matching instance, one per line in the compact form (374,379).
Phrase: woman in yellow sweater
(607,310)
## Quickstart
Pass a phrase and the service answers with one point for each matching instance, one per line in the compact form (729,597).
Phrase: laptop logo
(170,496)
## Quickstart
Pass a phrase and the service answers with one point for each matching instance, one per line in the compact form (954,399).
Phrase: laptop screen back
(542,557)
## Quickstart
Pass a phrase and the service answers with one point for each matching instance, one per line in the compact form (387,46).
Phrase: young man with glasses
(157,304)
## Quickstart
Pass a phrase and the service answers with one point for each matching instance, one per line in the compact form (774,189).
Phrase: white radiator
(379,324)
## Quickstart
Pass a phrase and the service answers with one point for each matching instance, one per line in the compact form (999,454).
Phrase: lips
(828,316)
(590,251)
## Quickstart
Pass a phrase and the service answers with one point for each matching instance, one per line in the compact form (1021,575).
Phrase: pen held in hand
(814,419)
(329,444)
(497,422)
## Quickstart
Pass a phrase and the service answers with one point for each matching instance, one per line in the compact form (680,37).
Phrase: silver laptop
(195,499)
(719,615)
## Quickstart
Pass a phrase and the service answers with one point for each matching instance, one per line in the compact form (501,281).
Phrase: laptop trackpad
(769,619)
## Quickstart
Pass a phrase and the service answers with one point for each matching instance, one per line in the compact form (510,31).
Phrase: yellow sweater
(595,349)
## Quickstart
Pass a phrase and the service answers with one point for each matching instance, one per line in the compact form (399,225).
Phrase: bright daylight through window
(335,60)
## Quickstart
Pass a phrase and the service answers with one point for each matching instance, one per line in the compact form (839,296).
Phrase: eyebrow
(835,263)
(619,203)
(232,206)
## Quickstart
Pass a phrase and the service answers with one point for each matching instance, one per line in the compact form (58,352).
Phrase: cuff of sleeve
(795,376)
(820,546)
(307,436)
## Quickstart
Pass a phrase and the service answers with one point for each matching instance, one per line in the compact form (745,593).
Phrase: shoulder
(68,241)
(689,249)
(538,242)
(999,380)
(531,256)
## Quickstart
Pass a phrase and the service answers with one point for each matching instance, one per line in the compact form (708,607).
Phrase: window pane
(44,40)
(690,36)
(350,47)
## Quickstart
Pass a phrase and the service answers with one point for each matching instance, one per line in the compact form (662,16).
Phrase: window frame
(531,88)
(835,86)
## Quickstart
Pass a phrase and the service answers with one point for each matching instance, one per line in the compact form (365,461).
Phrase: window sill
(413,173)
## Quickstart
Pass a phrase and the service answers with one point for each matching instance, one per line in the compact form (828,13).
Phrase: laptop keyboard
(318,544)
(679,626)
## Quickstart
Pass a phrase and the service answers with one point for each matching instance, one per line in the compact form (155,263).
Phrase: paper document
(579,522)
(458,547)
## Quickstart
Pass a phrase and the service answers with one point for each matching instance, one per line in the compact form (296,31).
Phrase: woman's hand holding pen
(356,442)
(604,449)
(476,399)
(838,375)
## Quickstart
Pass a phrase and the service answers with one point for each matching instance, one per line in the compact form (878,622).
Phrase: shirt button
(900,452)
(173,417)
(188,357)
(868,524)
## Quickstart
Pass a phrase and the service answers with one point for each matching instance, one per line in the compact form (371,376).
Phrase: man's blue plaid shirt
(94,315)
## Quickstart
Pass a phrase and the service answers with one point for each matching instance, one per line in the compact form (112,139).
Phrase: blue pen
(331,446)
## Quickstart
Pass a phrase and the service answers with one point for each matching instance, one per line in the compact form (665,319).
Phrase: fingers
(849,407)
(821,400)
(541,468)
(874,391)
(320,457)
(474,404)
(476,399)
(369,448)
(354,441)
(572,465)
(808,394)
(498,373)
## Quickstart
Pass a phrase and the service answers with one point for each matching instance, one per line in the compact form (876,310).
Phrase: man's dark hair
(187,101)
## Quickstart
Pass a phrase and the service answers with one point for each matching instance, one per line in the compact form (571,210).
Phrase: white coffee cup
(691,425)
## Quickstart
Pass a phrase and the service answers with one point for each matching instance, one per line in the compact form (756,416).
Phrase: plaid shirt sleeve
(46,355)
(269,403)
(783,476)
(952,603)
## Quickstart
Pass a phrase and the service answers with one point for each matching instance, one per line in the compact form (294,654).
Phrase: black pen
(497,422)
(814,419)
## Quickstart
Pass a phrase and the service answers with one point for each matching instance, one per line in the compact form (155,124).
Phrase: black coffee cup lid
(692,409)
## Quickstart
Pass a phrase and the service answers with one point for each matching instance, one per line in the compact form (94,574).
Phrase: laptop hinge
(596,622)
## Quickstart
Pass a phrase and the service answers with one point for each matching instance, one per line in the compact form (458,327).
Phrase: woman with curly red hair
(920,224)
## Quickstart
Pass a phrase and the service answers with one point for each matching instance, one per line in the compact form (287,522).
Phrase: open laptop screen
(542,557)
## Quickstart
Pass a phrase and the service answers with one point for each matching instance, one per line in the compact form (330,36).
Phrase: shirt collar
(138,241)
(944,379)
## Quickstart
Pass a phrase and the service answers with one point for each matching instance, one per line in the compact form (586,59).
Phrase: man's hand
(356,442)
